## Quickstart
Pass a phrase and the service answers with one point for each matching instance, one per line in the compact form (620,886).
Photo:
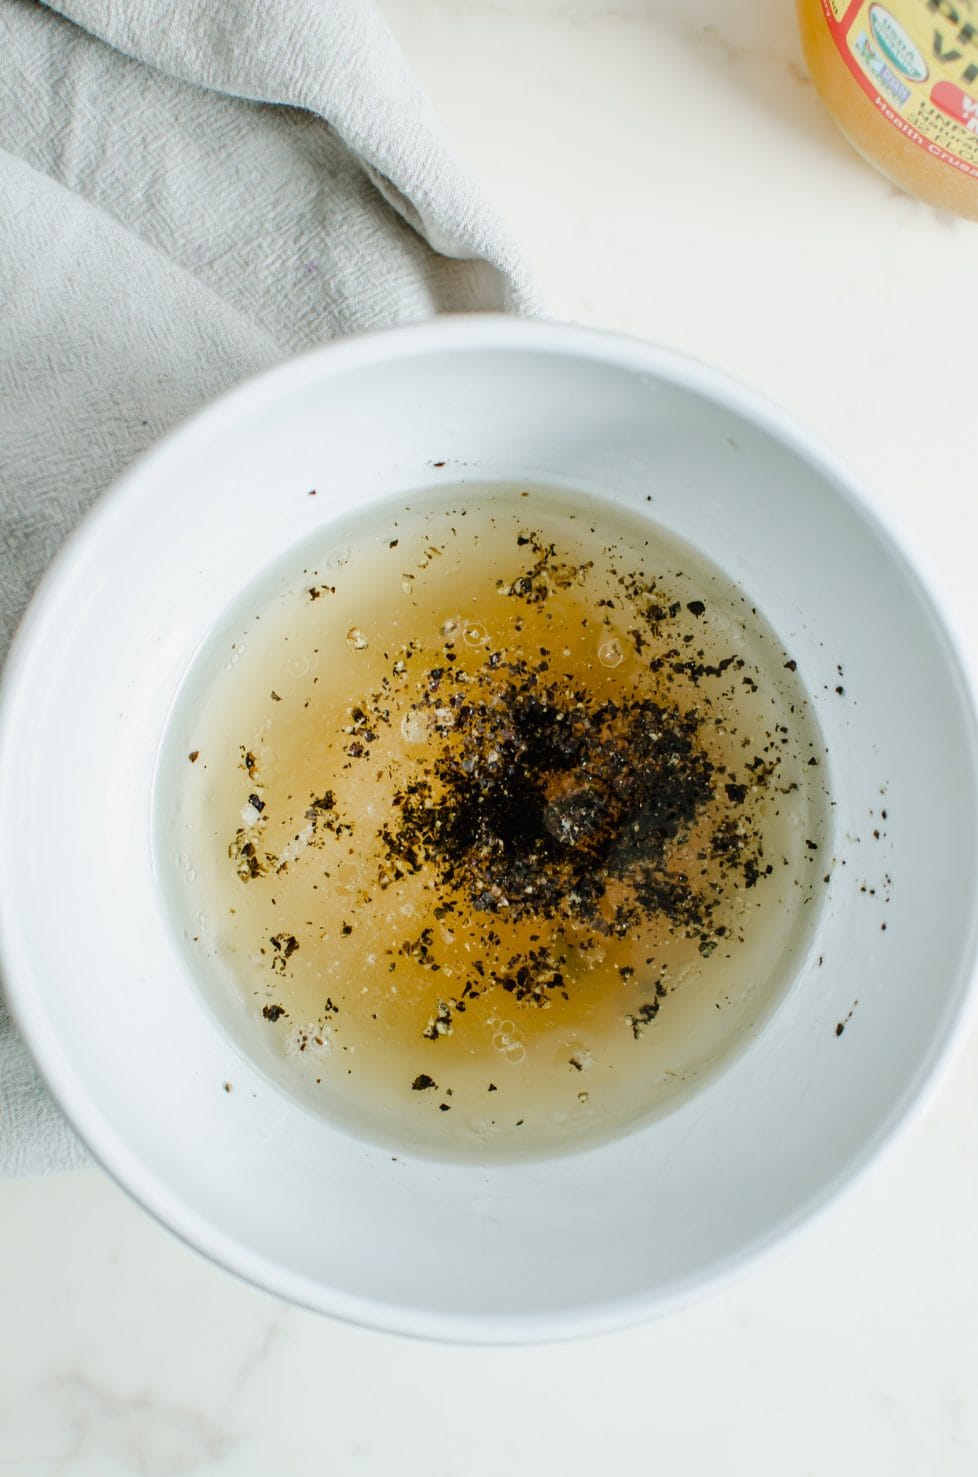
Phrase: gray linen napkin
(191,190)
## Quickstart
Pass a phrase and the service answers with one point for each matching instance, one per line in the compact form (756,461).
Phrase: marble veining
(141,1431)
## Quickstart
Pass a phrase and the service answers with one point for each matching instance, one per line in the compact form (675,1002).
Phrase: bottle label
(917,62)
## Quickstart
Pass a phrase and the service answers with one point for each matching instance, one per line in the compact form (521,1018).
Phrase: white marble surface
(670,170)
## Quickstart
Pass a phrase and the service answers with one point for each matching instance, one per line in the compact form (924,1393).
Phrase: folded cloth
(191,190)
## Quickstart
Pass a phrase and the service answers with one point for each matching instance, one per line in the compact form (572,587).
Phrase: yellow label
(917,60)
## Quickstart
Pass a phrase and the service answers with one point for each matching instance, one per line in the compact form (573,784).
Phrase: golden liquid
(391,995)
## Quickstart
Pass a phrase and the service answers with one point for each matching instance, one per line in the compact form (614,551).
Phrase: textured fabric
(191,190)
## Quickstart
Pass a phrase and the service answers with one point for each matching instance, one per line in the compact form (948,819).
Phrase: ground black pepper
(547,834)
(541,802)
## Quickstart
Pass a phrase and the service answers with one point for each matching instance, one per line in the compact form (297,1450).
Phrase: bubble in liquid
(414,726)
(298,665)
(356,640)
(574,1054)
(509,1038)
(610,653)
(474,635)
(338,557)
(731,631)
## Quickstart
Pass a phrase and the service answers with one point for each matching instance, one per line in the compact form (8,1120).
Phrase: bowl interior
(101,988)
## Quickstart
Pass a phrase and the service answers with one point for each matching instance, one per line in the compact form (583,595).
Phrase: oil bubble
(509,1038)
(610,653)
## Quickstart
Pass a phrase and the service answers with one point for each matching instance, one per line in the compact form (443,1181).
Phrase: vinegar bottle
(901,81)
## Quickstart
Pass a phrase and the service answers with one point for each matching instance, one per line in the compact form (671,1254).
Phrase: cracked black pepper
(512,795)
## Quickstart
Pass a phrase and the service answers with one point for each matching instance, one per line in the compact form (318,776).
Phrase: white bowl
(102,992)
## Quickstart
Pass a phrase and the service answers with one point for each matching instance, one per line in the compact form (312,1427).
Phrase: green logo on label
(893,40)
